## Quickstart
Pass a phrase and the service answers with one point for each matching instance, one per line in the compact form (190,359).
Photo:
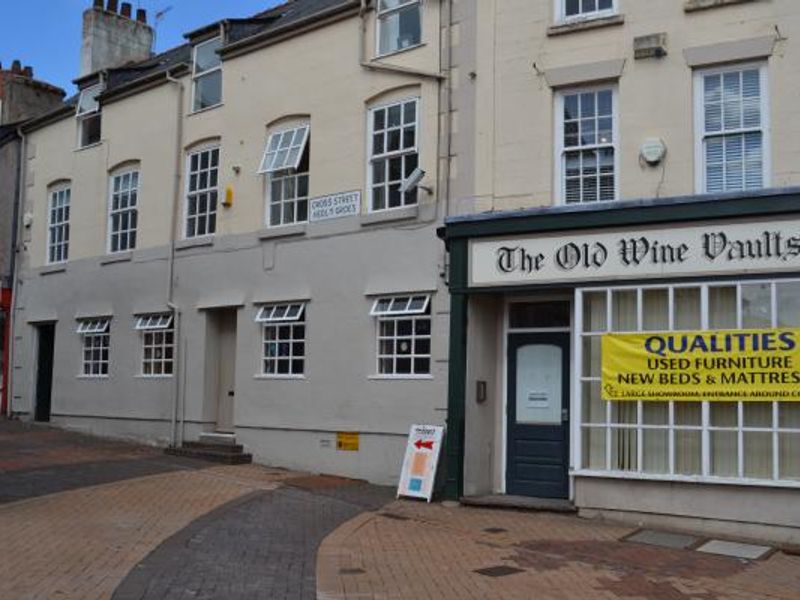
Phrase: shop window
(571,10)
(89,116)
(123,212)
(732,128)
(285,163)
(586,145)
(283,339)
(206,75)
(403,335)
(158,343)
(58,225)
(203,192)
(745,440)
(394,131)
(399,25)
(96,338)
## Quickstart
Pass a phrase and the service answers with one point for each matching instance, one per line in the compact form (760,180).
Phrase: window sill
(53,268)
(702,479)
(400,51)
(198,242)
(282,231)
(88,146)
(117,257)
(400,377)
(585,24)
(695,5)
(405,213)
(92,377)
(203,110)
(142,376)
(280,377)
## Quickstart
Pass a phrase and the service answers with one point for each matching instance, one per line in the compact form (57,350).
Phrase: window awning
(88,326)
(284,150)
(281,313)
(390,306)
(153,322)
(87,102)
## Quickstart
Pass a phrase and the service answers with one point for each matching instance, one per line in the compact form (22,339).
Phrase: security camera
(413,181)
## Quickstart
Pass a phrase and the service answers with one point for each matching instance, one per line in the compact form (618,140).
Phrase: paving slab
(665,539)
(735,549)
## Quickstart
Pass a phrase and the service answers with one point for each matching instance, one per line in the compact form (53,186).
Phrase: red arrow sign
(420,444)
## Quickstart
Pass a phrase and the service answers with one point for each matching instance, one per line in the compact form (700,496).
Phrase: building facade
(220,238)
(628,168)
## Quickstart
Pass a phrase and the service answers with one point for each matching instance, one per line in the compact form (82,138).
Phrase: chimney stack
(112,39)
(28,72)
(16,67)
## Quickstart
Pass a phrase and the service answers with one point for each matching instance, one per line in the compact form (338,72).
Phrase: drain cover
(664,539)
(355,571)
(495,530)
(734,549)
(498,571)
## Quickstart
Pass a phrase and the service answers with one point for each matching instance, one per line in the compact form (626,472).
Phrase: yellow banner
(758,365)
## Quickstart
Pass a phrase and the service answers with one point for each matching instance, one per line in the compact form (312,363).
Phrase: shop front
(639,360)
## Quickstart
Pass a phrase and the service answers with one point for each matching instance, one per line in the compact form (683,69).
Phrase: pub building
(534,292)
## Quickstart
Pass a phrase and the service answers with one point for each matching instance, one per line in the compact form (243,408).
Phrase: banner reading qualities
(753,365)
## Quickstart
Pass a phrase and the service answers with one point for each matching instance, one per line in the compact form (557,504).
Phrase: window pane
(724,414)
(724,453)
(688,413)
(686,306)
(722,307)
(655,451)
(655,413)
(756,305)
(757,414)
(591,356)
(788,303)
(623,449)
(758,454)
(539,314)
(594,311)
(789,455)
(206,56)
(688,448)
(624,412)
(208,90)
(655,310)
(594,448)
(594,409)
(624,310)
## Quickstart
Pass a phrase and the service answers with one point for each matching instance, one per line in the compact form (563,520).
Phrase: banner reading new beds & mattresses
(750,364)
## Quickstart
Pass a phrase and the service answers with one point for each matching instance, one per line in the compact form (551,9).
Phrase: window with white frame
(202,197)
(158,343)
(123,212)
(89,116)
(58,225)
(711,439)
(284,339)
(399,25)
(394,132)
(403,334)
(206,75)
(96,338)
(568,10)
(586,145)
(732,128)
(285,163)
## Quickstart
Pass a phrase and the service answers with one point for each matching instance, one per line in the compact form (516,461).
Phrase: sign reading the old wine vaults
(698,250)
(750,365)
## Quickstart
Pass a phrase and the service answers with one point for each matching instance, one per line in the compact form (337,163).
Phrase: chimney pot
(16,67)
(126,10)
(141,15)
(112,6)
(98,4)
(28,72)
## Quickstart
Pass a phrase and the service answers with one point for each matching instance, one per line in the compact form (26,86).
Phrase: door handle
(564,415)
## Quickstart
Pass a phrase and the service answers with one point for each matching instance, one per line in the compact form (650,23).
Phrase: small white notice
(422,457)
(335,206)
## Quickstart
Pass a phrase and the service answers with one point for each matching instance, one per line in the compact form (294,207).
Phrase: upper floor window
(285,163)
(568,10)
(732,128)
(207,75)
(399,25)
(89,116)
(393,153)
(58,225)
(123,213)
(201,199)
(586,145)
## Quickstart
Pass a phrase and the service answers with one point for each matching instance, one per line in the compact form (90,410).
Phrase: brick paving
(415,550)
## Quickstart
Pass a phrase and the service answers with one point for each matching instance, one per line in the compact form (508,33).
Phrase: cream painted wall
(514,117)
(317,74)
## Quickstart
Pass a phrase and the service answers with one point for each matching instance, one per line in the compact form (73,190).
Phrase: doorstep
(521,503)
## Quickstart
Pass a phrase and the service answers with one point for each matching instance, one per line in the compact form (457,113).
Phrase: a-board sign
(419,465)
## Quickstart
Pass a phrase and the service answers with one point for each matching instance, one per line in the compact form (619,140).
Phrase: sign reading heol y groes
(421,460)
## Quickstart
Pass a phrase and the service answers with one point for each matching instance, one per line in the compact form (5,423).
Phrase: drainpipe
(16,251)
(175,308)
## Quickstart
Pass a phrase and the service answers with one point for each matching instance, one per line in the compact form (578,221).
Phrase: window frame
(274,323)
(700,135)
(197,150)
(130,210)
(290,171)
(560,11)
(196,76)
(94,112)
(382,14)
(95,334)
(397,153)
(66,189)
(705,427)
(413,315)
(560,149)
(150,325)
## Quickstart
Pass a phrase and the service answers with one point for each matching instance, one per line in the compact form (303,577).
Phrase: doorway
(45,344)
(222,388)
(538,396)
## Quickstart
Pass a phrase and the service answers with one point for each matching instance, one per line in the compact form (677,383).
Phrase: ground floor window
(96,339)
(284,339)
(734,440)
(158,343)
(404,334)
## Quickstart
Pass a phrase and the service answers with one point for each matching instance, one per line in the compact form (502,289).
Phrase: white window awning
(89,326)
(87,102)
(391,306)
(281,313)
(154,322)
(284,150)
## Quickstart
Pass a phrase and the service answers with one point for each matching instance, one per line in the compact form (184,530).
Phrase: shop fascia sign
(703,249)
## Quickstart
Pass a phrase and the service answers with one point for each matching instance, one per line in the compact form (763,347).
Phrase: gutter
(143,83)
